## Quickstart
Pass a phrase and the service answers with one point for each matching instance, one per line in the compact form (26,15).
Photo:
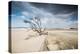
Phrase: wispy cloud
(48,18)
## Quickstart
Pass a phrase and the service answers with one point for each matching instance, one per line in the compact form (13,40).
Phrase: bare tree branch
(35,24)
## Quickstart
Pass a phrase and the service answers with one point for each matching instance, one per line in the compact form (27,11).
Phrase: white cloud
(25,13)
(48,19)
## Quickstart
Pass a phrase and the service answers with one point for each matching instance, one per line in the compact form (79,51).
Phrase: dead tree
(36,25)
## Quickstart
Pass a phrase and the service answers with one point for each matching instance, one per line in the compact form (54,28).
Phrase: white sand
(21,43)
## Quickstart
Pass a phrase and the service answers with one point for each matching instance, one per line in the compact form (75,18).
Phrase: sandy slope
(62,40)
(22,42)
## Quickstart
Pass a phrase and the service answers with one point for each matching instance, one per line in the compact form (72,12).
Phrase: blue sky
(52,15)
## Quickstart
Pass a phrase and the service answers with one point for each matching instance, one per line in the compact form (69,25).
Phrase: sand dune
(62,40)
(24,40)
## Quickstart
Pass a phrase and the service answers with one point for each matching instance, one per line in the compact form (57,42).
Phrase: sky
(52,15)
